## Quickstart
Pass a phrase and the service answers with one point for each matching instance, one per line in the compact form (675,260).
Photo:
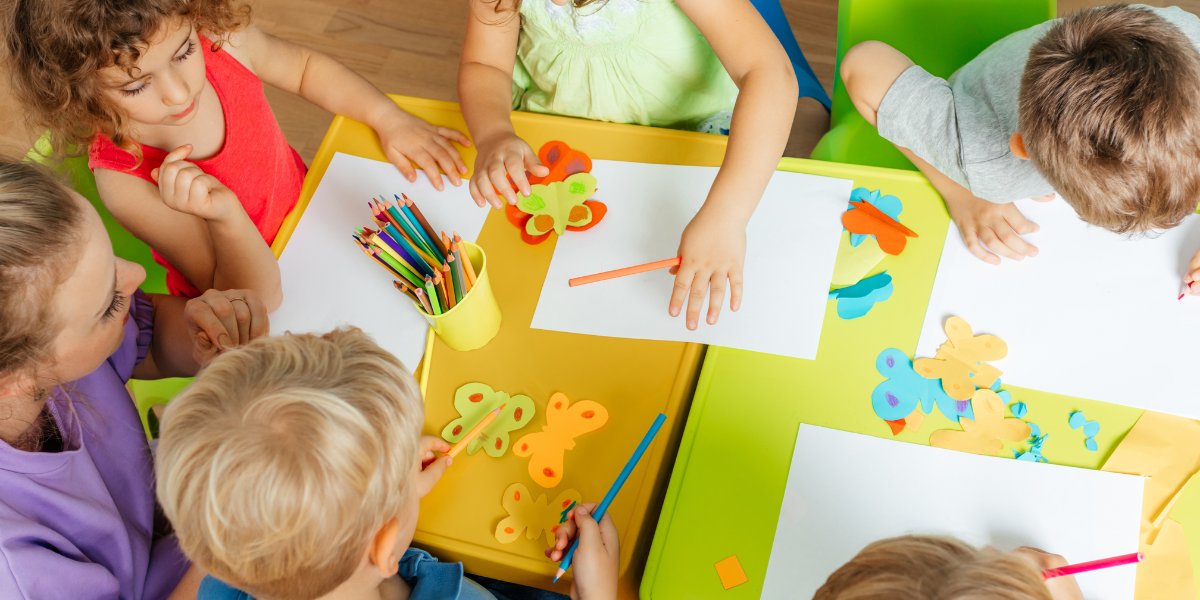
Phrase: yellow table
(634,379)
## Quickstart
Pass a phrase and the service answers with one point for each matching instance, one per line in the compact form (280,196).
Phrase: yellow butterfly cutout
(474,401)
(983,435)
(535,515)
(564,423)
(960,357)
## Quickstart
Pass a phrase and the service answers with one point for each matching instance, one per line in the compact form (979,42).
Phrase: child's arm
(329,84)
(597,559)
(485,95)
(869,70)
(197,223)
(190,333)
(713,245)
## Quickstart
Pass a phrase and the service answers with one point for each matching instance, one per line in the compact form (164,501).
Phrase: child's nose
(175,91)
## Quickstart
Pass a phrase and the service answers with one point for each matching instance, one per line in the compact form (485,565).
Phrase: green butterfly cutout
(474,401)
(557,205)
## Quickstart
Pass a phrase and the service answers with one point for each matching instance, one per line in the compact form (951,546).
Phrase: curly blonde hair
(57,48)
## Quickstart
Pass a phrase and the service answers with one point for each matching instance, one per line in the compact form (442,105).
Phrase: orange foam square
(731,573)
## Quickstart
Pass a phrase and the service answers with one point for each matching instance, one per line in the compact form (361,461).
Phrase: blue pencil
(412,220)
(616,487)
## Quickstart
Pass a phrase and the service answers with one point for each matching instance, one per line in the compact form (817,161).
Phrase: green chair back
(939,35)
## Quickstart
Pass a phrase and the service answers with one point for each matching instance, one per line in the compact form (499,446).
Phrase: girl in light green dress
(703,65)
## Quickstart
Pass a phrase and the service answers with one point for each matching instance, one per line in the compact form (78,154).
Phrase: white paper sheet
(1093,315)
(847,490)
(792,242)
(328,281)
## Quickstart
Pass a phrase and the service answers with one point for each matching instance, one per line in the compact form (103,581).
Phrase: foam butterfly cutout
(959,362)
(856,300)
(560,206)
(562,161)
(564,423)
(536,516)
(904,395)
(889,205)
(983,435)
(865,218)
(474,401)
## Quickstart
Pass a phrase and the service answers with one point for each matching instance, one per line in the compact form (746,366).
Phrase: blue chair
(772,13)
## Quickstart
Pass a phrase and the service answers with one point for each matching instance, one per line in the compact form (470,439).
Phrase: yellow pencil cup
(472,323)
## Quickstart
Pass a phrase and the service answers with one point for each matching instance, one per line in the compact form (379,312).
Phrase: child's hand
(498,160)
(1193,274)
(407,139)
(1061,588)
(432,468)
(232,318)
(596,559)
(998,226)
(186,188)
(713,248)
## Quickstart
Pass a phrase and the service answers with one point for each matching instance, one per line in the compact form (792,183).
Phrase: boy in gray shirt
(1102,106)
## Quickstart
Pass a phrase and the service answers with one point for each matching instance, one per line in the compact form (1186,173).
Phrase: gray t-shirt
(962,126)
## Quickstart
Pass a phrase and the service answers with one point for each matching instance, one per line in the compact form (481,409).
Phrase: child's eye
(191,48)
(135,91)
(118,302)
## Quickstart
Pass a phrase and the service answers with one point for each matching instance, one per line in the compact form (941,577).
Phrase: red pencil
(662,264)
(1104,563)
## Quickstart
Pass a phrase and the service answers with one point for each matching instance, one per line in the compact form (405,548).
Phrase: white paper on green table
(847,490)
(1093,315)
(329,282)
(792,242)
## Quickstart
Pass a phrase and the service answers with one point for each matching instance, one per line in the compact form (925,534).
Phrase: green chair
(939,35)
(146,393)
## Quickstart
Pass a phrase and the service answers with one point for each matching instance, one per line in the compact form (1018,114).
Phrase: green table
(729,477)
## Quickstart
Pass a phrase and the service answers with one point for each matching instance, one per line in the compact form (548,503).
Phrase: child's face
(92,305)
(169,78)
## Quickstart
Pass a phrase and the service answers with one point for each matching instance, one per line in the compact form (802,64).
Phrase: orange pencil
(440,290)
(662,264)
(467,266)
(448,285)
(487,420)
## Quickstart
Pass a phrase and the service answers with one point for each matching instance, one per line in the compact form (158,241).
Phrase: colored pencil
(395,266)
(396,231)
(470,268)
(385,216)
(458,254)
(420,229)
(424,301)
(662,264)
(451,296)
(1185,292)
(416,211)
(411,248)
(616,487)
(407,291)
(412,234)
(460,278)
(1104,563)
(388,244)
(475,431)
(433,296)
(440,290)
(368,252)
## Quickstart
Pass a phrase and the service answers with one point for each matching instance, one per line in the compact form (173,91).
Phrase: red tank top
(256,162)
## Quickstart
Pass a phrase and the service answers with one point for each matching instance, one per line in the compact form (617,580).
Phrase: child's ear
(1016,143)
(383,549)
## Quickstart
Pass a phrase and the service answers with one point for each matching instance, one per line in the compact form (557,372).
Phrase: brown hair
(57,48)
(1110,116)
(286,456)
(917,567)
(37,215)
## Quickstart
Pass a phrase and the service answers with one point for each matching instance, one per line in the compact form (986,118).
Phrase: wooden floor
(412,47)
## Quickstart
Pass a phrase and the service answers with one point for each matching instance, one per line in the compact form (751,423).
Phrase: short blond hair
(285,457)
(918,567)
(1110,116)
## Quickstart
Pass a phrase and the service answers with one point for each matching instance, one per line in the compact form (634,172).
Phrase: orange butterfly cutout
(959,363)
(865,219)
(563,162)
(983,435)
(564,423)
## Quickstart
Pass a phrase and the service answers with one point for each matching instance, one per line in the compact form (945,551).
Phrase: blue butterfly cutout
(898,396)
(856,300)
(889,205)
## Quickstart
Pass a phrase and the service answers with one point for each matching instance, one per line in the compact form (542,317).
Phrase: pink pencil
(1185,292)
(1104,563)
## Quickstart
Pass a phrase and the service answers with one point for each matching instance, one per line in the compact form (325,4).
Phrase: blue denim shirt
(428,578)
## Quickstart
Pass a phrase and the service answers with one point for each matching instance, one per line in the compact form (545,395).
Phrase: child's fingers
(179,153)
(451,161)
(610,537)
(456,135)
(401,163)
(972,240)
(993,243)
(473,186)
(683,283)
(1009,238)
(431,443)
(735,288)
(516,170)
(696,298)
(533,165)
(486,188)
(499,179)
(716,297)
(429,165)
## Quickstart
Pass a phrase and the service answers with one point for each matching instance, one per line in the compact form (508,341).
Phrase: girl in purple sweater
(78,518)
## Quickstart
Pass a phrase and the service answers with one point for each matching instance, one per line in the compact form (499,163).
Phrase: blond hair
(286,456)
(40,227)
(916,567)
(1110,116)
